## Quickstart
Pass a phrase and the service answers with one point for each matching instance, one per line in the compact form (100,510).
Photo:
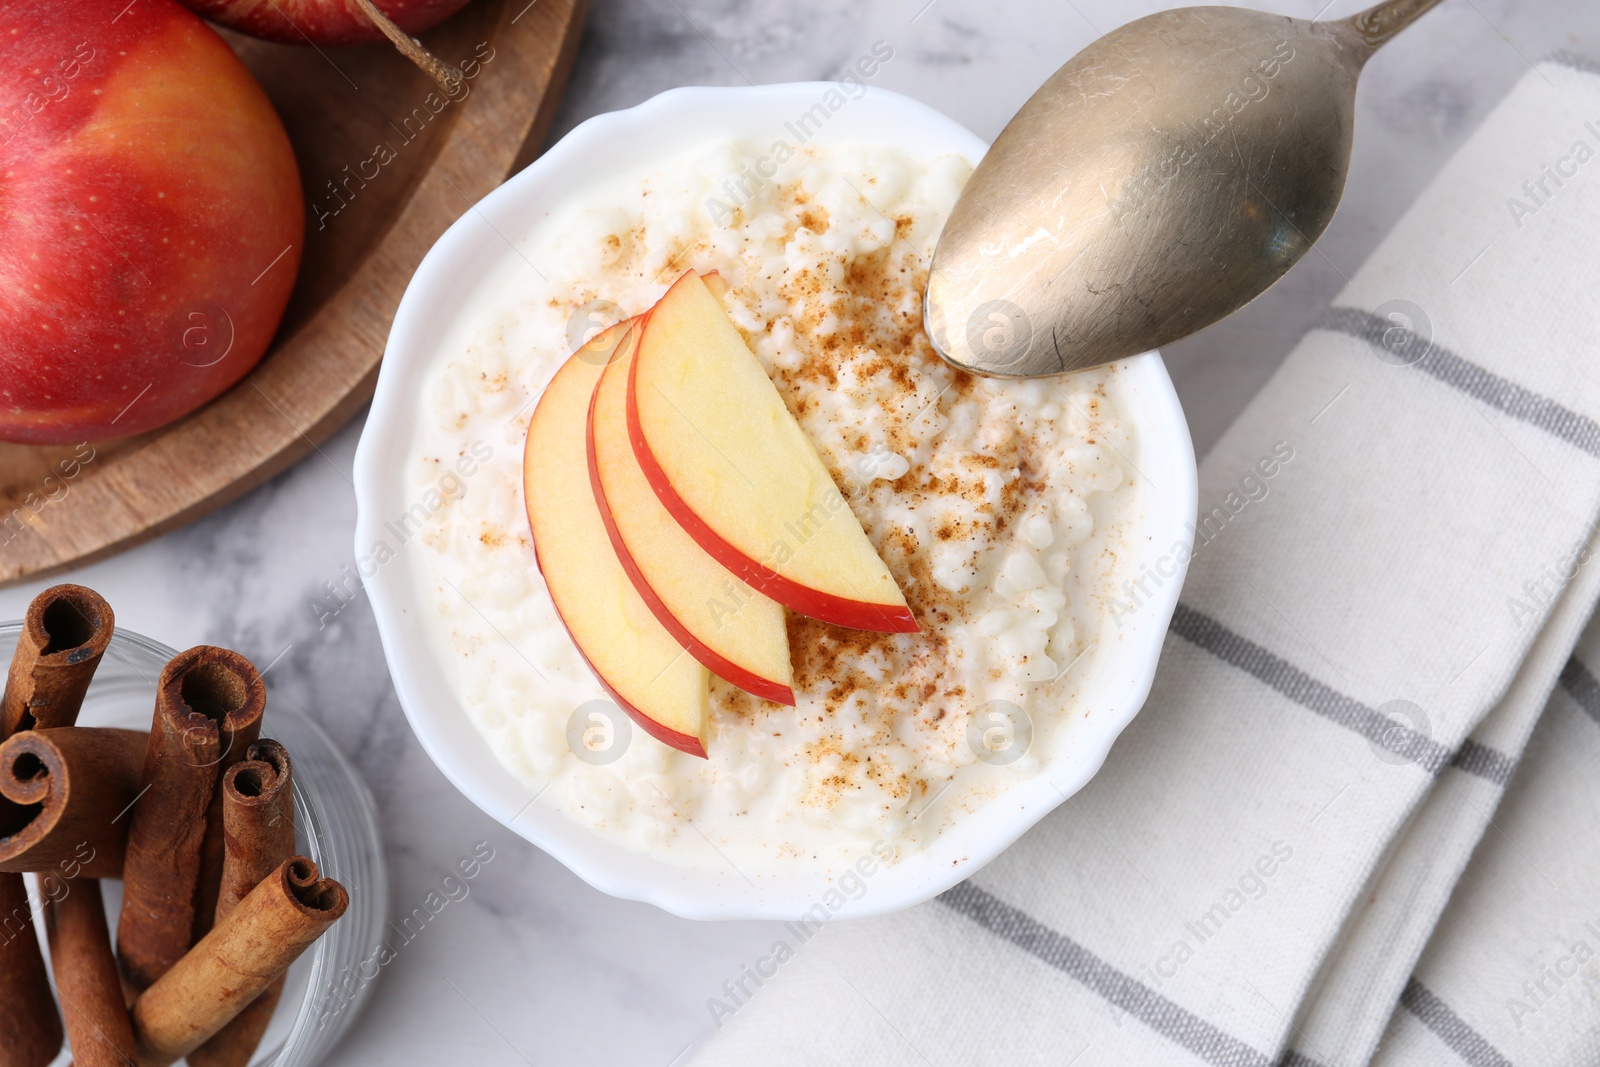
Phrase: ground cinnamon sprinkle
(871,315)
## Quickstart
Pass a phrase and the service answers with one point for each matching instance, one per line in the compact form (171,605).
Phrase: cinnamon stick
(258,814)
(213,850)
(208,699)
(98,1027)
(70,790)
(64,634)
(236,961)
(30,1027)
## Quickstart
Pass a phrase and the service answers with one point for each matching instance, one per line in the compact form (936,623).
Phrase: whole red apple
(322,21)
(151,212)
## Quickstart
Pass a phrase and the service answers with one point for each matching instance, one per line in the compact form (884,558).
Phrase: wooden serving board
(62,506)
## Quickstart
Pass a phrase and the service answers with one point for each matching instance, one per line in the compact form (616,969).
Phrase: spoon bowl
(1163,178)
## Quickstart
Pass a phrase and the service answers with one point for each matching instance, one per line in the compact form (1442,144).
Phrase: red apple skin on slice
(731,464)
(646,671)
(732,629)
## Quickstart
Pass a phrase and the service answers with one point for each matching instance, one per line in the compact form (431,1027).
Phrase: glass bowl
(335,824)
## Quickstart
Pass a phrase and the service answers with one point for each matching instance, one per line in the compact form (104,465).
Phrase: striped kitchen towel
(1356,821)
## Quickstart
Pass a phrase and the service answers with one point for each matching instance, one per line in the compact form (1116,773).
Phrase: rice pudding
(999,507)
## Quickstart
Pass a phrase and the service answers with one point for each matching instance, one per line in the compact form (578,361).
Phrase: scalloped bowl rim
(464,253)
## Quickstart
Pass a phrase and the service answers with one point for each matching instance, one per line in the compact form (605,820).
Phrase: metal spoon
(1162,179)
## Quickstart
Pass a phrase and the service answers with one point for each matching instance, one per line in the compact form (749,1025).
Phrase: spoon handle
(1377,25)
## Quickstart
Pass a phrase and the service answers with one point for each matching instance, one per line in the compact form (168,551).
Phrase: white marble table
(534,966)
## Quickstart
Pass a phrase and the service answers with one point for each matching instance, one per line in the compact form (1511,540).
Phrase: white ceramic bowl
(662,126)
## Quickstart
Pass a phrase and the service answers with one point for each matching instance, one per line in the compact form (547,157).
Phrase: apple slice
(734,468)
(732,629)
(637,661)
(716,283)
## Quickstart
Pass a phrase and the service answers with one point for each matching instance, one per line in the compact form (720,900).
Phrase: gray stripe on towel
(1503,395)
(1484,762)
(1291,1058)
(1582,687)
(1210,635)
(1573,60)
(1451,1028)
(1177,1024)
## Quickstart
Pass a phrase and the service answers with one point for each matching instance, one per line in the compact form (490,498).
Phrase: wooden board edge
(533,144)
